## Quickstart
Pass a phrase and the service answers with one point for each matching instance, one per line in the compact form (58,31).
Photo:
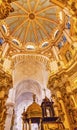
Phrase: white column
(29,124)
(9,113)
(10,103)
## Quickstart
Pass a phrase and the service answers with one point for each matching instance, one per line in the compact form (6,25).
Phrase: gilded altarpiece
(5,85)
(60,84)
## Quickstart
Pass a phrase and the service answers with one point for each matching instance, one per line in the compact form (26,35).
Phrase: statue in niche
(69,101)
(72,102)
(71,111)
(68,55)
(60,111)
(73,116)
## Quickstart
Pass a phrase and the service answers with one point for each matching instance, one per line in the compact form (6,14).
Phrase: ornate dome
(34,24)
(34,110)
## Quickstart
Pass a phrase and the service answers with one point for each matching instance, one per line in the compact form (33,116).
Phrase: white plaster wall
(29,70)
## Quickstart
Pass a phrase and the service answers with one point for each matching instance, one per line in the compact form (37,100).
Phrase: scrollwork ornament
(5,9)
(5,85)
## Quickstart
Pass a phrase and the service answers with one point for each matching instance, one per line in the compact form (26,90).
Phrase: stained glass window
(64,39)
(68,25)
(30,47)
(45,44)
(1,40)
(4,28)
(15,41)
(56,33)
(60,44)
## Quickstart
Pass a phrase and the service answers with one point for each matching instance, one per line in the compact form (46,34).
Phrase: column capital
(10,104)
(9,114)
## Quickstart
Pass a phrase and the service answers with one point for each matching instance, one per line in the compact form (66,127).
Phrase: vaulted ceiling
(40,27)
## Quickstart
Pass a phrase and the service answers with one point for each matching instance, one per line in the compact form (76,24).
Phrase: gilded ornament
(5,85)
(5,9)
(0,1)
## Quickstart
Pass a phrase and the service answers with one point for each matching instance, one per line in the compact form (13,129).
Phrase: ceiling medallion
(31,16)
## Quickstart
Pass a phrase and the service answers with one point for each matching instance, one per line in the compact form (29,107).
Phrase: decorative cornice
(31,57)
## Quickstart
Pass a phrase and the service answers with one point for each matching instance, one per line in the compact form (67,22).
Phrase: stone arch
(28,85)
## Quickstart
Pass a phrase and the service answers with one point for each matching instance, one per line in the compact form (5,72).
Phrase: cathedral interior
(38,64)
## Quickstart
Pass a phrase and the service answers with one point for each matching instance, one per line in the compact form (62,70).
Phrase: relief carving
(5,85)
